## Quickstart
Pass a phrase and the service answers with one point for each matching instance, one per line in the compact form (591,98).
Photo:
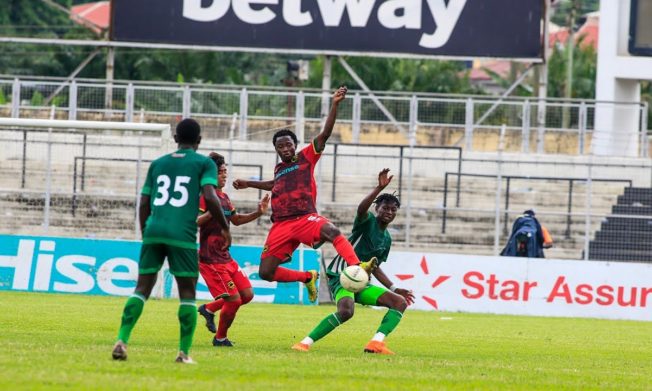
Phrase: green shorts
(183,261)
(367,296)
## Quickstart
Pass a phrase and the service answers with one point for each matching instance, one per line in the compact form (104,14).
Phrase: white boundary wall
(618,79)
(520,286)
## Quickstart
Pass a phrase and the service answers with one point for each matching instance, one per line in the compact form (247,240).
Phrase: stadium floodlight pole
(373,97)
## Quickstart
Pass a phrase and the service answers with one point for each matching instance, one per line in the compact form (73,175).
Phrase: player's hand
(240,184)
(226,234)
(383,179)
(407,295)
(339,95)
(263,205)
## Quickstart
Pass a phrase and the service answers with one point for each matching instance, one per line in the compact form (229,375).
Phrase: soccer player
(227,283)
(371,239)
(168,213)
(294,213)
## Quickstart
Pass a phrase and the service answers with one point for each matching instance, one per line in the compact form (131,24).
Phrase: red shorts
(224,279)
(285,236)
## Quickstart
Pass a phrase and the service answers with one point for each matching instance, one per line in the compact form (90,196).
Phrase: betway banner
(519,286)
(456,28)
(110,267)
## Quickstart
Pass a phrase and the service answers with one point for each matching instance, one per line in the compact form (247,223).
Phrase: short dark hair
(217,158)
(387,197)
(285,132)
(529,212)
(188,131)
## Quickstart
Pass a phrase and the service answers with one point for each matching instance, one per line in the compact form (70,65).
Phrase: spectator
(528,238)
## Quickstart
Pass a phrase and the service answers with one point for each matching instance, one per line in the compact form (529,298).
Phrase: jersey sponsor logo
(178,155)
(286,171)
(230,285)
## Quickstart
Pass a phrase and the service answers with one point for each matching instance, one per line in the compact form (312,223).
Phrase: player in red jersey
(294,213)
(228,284)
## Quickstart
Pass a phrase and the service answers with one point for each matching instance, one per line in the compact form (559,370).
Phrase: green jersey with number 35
(174,183)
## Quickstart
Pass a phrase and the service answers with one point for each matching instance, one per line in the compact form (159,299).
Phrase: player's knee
(234,301)
(266,274)
(329,232)
(399,303)
(246,298)
(345,314)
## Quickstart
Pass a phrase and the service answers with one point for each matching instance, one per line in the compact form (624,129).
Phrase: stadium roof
(94,16)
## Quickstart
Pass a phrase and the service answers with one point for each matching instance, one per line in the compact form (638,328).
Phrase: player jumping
(294,213)
(168,212)
(228,284)
(371,239)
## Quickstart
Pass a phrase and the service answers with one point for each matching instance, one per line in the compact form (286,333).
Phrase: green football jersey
(174,183)
(368,241)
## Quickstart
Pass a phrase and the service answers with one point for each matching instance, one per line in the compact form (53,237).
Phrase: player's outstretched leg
(369,265)
(311,285)
(209,316)
(345,308)
(330,233)
(392,318)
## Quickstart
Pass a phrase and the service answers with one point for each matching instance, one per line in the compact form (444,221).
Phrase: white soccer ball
(354,279)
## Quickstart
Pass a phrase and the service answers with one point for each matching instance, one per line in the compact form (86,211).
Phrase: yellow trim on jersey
(314,146)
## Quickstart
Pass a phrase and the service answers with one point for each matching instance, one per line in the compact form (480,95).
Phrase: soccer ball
(354,278)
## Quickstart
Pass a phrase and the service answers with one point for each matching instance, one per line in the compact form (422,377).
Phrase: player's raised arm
(383,181)
(320,140)
(240,184)
(214,207)
(263,205)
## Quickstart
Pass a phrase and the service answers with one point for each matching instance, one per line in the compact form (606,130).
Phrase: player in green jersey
(370,238)
(168,213)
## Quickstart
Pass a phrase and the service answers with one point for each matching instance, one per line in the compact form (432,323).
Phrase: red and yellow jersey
(295,192)
(210,234)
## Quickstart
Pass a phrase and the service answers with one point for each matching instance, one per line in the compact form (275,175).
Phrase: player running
(371,239)
(294,213)
(168,212)
(227,283)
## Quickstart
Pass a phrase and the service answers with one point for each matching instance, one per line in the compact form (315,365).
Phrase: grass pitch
(51,341)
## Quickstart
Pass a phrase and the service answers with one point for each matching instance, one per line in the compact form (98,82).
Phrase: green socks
(324,327)
(187,321)
(130,314)
(390,321)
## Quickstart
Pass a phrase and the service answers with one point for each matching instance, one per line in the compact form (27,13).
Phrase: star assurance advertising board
(110,267)
(522,286)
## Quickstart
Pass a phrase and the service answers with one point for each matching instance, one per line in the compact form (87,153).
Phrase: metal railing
(508,179)
(438,119)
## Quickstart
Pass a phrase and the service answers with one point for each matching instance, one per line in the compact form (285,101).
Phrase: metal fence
(551,126)
(84,183)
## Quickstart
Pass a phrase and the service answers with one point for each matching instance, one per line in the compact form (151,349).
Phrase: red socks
(227,314)
(215,306)
(288,275)
(344,248)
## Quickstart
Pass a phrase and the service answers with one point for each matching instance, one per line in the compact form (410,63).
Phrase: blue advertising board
(110,267)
